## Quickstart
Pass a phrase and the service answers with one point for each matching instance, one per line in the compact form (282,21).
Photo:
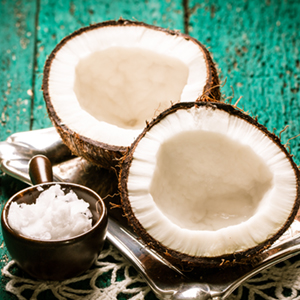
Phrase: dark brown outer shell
(185,260)
(103,154)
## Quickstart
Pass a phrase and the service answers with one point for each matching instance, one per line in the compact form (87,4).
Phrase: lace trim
(113,278)
(281,281)
(110,277)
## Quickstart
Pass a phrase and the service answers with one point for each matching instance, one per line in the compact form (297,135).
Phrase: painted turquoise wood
(256,46)
(17,36)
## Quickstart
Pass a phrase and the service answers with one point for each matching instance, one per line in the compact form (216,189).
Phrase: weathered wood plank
(256,46)
(60,18)
(17,36)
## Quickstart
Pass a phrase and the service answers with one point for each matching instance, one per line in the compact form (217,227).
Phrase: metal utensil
(166,280)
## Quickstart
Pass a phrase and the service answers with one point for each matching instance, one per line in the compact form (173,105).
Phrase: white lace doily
(112,278)
(278,282)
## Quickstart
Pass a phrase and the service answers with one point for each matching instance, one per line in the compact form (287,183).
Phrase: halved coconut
(206,184)
(103,82)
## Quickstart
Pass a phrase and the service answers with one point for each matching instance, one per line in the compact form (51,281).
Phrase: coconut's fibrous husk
(97,150)
(238,257)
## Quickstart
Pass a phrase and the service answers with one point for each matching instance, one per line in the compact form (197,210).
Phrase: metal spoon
(166,281)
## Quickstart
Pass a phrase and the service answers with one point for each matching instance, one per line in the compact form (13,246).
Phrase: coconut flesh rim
(105,82)
(207,183)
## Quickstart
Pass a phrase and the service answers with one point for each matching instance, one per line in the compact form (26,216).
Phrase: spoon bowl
(55,259)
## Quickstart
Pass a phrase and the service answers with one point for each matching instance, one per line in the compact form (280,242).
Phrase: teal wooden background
(254,43)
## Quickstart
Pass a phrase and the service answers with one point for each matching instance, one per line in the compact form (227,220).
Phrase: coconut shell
(102,154)
(185,260)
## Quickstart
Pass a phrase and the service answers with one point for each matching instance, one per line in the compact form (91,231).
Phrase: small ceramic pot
(55,259)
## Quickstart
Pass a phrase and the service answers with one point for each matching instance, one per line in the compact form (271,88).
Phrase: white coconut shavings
(54,216)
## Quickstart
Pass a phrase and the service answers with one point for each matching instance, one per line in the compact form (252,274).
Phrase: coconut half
(206,184)
(103,83)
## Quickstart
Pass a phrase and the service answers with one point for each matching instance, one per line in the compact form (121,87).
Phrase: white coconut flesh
(207,183)
(106,82)
(132,84)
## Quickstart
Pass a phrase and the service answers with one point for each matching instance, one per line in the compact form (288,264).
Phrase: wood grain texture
(17,36)
(256,46)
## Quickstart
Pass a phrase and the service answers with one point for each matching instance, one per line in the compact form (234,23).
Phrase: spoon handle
(40,170)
